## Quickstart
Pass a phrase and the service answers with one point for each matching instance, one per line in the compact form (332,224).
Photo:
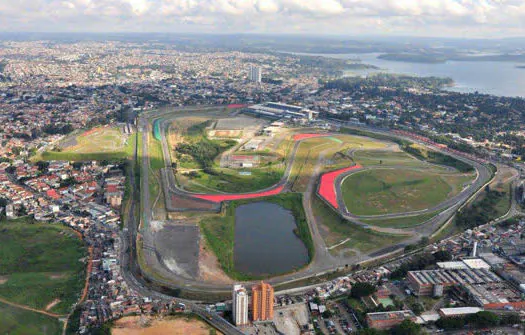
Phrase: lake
(265,243)
(498,78)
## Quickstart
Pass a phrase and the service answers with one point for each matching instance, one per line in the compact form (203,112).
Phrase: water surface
(498,78)
(265,243)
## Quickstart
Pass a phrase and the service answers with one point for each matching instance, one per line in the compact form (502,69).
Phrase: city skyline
(450,18)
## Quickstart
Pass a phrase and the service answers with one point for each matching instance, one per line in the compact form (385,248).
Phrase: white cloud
(431,17)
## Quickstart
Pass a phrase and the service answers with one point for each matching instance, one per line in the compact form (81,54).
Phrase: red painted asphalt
(299,137)
(237,106)
(327,184)
(228,197)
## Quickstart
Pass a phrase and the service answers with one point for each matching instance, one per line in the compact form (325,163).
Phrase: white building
(240,305)
(255,74)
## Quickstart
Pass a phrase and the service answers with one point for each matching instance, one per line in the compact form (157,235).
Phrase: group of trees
(360,290)
(204,151)
(421,262)
(53,129)
(480,212)
(482,319)
(406,327)
(200,148)
(435,157)
(479,320)
(388,80)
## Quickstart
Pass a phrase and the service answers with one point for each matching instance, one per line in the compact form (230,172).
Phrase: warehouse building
(433,282)
(495,296)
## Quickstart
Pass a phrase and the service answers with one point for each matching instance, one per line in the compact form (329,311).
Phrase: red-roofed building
(53,194)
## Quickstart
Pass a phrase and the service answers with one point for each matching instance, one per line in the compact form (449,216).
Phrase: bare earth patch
(52,304)
(137,325)
(3,279)
(58,275)
(209,268)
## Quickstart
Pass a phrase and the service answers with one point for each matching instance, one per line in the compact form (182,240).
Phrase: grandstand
(276,110)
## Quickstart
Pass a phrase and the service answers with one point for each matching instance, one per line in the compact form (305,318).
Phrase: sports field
(382,191)
(102,139)
(40,265)
(102,143)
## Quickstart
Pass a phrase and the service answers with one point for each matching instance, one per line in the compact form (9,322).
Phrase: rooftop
(459,311)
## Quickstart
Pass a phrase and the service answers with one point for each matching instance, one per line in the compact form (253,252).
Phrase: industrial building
(240,305)
(433,282)
(262,302)
(387,320)
(498,295)
(276,110)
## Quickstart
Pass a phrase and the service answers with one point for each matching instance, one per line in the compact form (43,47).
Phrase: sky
(440,18)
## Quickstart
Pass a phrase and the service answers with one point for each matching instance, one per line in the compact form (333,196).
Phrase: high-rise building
(255,74)
(240,305)
(262,302)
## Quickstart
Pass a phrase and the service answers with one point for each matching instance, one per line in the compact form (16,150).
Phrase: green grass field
(382,191)
(334,151)
(17,321)
(156,158)
(219,231)
(391,158)
(230,181)
(102,144)
(364,240)
(40,263)
(405,222)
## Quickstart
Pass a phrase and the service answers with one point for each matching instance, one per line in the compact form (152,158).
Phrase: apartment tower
(255,74)
(262,302)
(240,305)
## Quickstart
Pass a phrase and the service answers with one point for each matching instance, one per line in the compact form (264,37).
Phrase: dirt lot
(287,318)
(140,325)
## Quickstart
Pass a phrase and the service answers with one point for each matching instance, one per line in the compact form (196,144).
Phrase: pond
(265,242)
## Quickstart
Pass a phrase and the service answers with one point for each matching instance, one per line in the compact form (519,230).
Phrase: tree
(417,308)
(442,256)
(360,290)
(42,165)
(483,319)
(451,323)
(406,327)
(327,314)
(510,319)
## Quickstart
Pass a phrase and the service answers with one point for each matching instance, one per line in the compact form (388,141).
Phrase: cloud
(430,17)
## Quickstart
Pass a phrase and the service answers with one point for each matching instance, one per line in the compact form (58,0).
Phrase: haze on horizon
(435,18)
